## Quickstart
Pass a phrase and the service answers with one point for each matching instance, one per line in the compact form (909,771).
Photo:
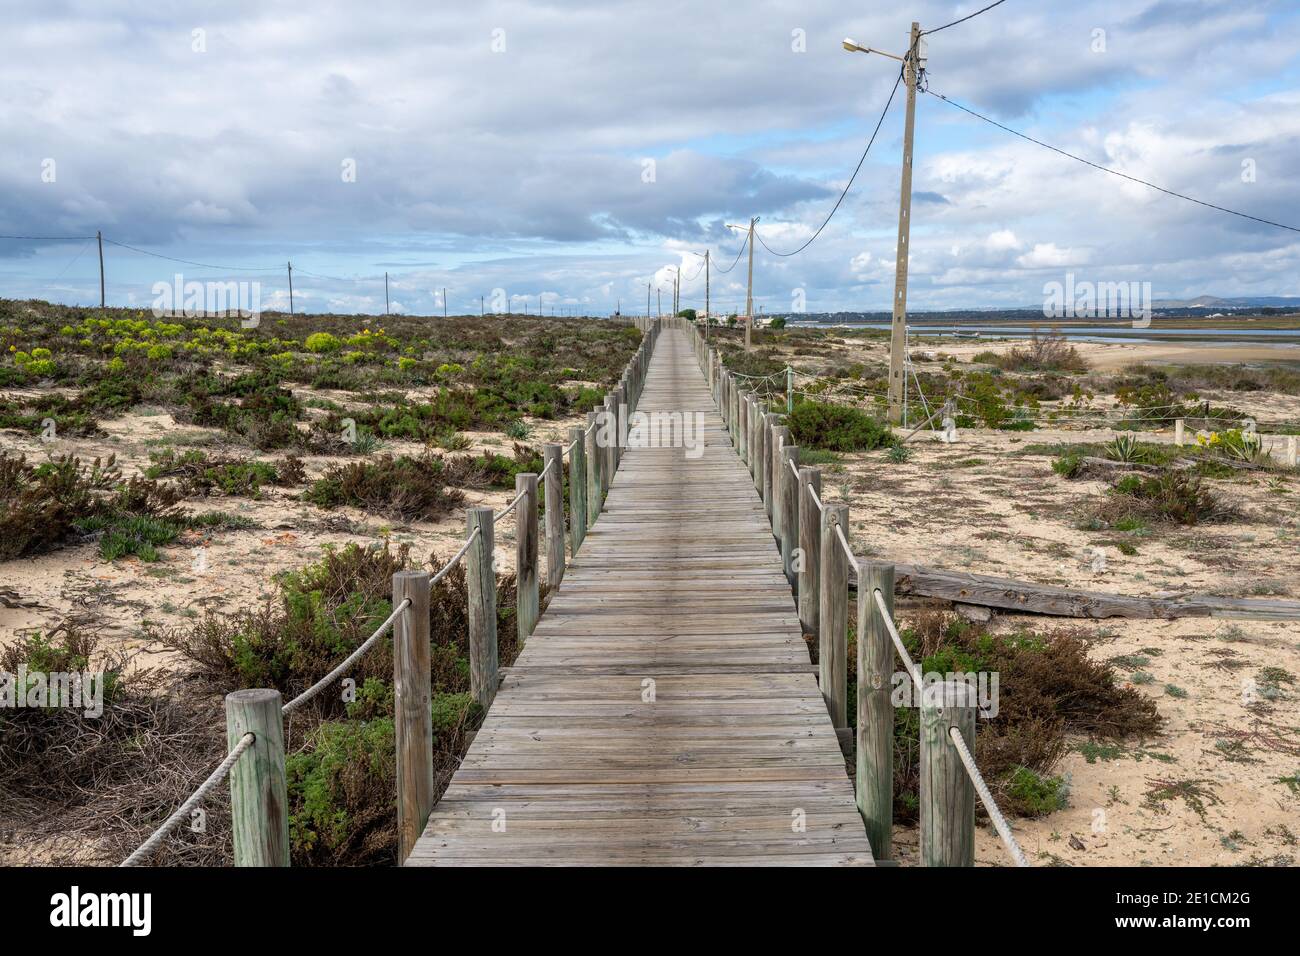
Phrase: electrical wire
(1107,169)
(189,262)
(847,185)
(969,16)
(723,272)
(48,238)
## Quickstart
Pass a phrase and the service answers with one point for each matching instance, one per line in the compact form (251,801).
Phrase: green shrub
(404,488)
(837,428)
(1036,795)
(322,342)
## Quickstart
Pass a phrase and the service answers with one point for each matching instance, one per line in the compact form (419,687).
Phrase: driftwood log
(1026,597)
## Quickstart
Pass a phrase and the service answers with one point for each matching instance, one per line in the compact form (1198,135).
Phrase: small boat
(965,335)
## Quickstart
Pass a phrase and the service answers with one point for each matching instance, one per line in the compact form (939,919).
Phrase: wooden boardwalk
(664,712)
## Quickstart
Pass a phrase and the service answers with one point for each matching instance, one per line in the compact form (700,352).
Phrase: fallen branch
(1027,597)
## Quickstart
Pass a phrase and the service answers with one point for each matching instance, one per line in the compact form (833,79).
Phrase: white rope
(794,468)
(348,661)
(508,508)
(839,533)
(455,558)
(999,821)
(542,476)
(816,500)
(147,848)
(912,669)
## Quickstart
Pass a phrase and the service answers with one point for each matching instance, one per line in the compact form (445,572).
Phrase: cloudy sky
(575,151)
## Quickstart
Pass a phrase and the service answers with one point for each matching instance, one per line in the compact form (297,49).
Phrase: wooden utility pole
(482,310)
(898,327)
(444,302)
(647,300)
(100,237)
(706,295)
(677,290)
(659,301)
(749,289)
(290,288)
(385,293)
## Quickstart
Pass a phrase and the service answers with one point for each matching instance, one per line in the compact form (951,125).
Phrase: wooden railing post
(481,583)
(742,428)
(259,794)
(412,714)
(609,430)
(768,431)
(832,644)
(577,490)
(620,410)
(810,523)
(947,794)
(529,600)
(553,458)
(593,471)
(788,508)
(875,731)
(780,437)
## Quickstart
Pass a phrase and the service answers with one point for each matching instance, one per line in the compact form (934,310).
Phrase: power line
(84,247)
(48,238)
(963,19)
(739,253)
(1107,169)
(188,262)
(847,185)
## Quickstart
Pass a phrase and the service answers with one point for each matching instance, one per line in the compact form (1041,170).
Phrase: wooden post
(577,490)
(788,509)
(1291,450)
(609,426)
(1179,425)
(875,736)
(832,653)
(259,795)
(947,794)
(593,471)
(742,428)
(780,438)
(768,426)
(529,600)
(412,714)
(810,523)
(481,583)
(620,412)
(553,458)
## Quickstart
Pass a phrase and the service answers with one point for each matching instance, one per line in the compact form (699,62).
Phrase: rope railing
(986,797)
(821,588)
(147,848)
(261,836)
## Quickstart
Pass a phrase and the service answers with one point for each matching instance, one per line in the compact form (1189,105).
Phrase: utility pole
(706,296)
(749,292)
(444,302)
(481,309)
(898,326)
(385,293)
(659,301)
(290,288)
(647,300)
(100,236)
